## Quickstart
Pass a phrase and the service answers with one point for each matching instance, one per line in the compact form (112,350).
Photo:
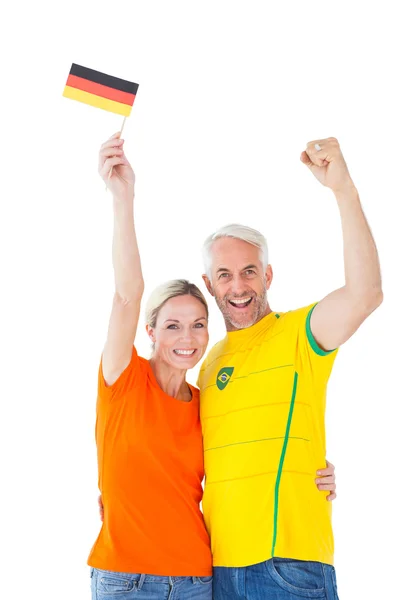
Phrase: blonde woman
(148,433)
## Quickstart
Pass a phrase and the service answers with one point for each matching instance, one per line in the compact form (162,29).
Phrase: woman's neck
(171,381)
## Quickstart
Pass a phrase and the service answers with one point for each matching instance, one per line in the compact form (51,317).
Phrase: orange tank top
(150,462)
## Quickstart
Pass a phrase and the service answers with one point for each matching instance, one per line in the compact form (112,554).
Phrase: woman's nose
(187,335)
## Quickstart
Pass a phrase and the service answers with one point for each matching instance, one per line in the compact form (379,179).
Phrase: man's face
(238,282)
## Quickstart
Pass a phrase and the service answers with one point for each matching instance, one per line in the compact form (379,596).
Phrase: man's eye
(250,272)
(223,275)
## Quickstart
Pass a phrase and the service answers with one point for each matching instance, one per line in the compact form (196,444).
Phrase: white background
(230,93)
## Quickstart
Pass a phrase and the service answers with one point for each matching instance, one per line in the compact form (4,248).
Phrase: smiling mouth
(242,303)
(185,353)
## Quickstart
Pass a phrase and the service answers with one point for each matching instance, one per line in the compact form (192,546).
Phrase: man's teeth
(241,301)
(185,352)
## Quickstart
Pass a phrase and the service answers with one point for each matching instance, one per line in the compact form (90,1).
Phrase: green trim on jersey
(282,460)
(313,343)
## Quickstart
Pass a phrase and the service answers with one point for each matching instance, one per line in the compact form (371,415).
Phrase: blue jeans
(110,585)
(276,579)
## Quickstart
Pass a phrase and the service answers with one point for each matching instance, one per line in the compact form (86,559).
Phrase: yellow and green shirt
(263,411)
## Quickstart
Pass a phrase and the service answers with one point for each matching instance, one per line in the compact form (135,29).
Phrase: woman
(148,433)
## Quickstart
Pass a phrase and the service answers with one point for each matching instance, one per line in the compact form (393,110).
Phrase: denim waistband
(140,578)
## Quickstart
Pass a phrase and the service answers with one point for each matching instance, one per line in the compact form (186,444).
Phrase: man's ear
(208,284)
(150,333)
(269,275)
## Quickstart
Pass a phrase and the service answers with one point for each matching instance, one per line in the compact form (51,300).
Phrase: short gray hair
(166,291)
(239,232)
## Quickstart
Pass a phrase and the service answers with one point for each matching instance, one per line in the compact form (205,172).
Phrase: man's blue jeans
(276,579)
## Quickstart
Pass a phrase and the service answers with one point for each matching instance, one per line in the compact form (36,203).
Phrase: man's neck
(230,327)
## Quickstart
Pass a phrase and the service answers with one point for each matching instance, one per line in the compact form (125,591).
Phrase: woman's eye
(172,326)
(198,325)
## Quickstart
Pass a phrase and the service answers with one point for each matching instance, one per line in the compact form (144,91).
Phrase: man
(263,403)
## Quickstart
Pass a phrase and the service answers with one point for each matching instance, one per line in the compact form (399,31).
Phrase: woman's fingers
(329,470)
(111,151)
(112,143)
(326,487)
(110,148)
(101,508)
(326,481)
(114,136)
(114,161)
(113,166)
(329,479)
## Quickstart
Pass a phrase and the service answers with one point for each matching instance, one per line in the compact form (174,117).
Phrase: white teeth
(240,301)
(185,352)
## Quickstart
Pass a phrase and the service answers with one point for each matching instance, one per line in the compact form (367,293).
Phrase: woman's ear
(150,333)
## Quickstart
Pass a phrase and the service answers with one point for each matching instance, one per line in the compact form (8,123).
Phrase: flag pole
(120,133)
(123,125)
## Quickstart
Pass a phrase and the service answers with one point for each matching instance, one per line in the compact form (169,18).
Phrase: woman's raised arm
(119,177)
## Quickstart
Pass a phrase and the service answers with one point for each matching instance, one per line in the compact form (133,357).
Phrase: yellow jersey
(262,406)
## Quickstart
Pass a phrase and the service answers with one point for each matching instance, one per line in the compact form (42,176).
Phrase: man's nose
(237,285)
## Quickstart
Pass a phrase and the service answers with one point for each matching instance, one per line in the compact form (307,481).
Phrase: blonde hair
(166,291)
(239,232)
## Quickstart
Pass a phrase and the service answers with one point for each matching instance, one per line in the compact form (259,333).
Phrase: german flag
(100,90)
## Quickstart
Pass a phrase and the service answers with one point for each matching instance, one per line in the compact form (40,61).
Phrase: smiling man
(263,392)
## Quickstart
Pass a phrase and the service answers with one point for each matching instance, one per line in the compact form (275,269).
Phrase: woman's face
(181,332)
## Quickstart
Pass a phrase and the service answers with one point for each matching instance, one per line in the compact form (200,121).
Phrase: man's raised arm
(340,314)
